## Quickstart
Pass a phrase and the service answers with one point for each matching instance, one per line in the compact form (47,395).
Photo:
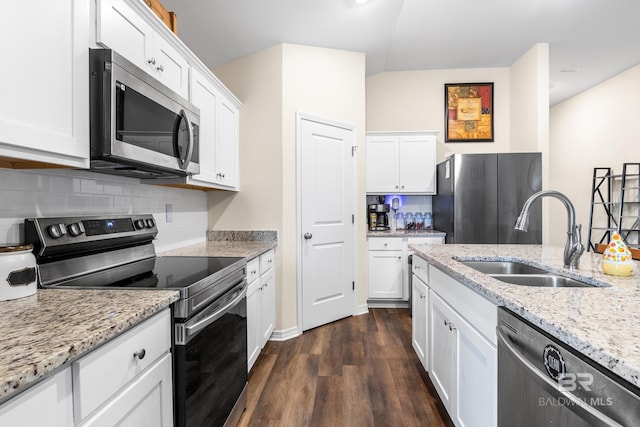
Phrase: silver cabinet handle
(151,61)
(308,236)
(139,354)
(160,68)
(451,327)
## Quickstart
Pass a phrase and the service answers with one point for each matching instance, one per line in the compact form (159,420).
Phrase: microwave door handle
(187,157)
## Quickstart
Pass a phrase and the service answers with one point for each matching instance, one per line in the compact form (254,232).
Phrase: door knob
(308,236)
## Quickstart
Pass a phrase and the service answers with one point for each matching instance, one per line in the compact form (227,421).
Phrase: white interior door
(326,222)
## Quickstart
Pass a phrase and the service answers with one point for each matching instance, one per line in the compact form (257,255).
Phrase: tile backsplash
(57,192)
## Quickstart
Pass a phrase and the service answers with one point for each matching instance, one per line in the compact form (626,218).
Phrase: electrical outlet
(168,210)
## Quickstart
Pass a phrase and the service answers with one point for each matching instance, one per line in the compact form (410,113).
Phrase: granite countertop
(603,323)
(246,249)
(43,332)
(412,233)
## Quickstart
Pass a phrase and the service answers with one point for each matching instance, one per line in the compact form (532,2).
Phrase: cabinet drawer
(476,309)
(431,240)
(420,268)
(385,244)
(100,374)
(253,270)
(266,261)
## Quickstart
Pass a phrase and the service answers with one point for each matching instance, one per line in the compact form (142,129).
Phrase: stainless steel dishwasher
(543,382)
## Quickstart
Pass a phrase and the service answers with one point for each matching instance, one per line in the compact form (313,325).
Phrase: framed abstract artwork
(468,111)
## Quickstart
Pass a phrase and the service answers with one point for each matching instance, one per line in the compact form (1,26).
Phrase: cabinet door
(441,349)
(227,143)
(476,377)
(382,164)
(171,67)
(417,164)
(385,274)
(253,323)
(205,96)
(121,28)
(267,307)
(419,320)
(145,401)
(44,113)
(49,404)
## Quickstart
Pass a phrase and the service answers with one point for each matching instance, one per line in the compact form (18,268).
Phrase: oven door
(141,122)
(210,367)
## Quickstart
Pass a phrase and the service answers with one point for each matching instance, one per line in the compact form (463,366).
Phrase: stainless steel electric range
(210,318)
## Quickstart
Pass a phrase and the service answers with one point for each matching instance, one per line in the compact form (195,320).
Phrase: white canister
(18,273)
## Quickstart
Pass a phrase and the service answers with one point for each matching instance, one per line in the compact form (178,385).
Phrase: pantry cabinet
(44,102)
(401,162)
(261,311)
(121,28)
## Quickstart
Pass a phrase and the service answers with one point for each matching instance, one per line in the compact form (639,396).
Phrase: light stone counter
(238,248)
(43,332)
(602,323)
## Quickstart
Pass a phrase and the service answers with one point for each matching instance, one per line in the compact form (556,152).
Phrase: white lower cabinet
(125,382)
(49,403)
(386,268)
(261,307)
(389,268)
(419,320)
(462,351)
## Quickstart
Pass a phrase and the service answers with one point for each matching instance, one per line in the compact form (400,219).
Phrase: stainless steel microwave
(139,127)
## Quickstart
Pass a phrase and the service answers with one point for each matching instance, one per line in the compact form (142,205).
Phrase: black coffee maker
(378,215)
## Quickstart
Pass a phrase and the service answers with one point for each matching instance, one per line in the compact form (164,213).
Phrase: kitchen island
(601,322)
(46,331)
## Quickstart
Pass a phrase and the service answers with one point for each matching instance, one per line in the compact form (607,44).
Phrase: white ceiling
(601,38)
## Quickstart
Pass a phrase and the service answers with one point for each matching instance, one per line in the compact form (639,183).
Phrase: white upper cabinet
(227,143)
(123,29)
(401,162)
(44,99)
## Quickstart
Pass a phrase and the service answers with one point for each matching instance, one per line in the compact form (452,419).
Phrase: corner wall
(273,85)
(596,128)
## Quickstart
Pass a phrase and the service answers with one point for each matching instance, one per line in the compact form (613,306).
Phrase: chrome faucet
(573,249)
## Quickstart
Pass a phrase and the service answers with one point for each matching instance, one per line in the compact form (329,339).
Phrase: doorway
(326,220)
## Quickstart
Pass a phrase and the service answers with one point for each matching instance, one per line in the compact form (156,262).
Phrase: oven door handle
(575,402)
(193,329)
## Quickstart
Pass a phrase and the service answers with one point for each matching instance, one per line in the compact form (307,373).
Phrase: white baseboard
(362,309)
(285,334)
(387,304)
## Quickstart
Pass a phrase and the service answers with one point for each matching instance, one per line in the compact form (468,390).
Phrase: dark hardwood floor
(358,371)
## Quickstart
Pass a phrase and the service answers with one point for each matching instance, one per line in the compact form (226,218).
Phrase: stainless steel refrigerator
(480,196)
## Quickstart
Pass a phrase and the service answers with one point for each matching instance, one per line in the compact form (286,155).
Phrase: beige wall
(530,115)
(257,81)
(414,100)
(595,128)
(273,85)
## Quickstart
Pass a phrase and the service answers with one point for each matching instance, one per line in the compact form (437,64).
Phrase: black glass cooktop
(155,273)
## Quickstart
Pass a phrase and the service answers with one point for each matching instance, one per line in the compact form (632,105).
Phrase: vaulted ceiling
(589,40)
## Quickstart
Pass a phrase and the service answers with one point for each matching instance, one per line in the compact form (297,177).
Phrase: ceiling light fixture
(361,1)
(570,70)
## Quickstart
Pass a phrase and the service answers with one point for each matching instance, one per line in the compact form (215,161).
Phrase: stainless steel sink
(503,267)
(517,273)
(544,280)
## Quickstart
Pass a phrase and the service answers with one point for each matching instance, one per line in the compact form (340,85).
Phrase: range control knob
(150,223)
(57,230)
(140,224)
(75,229)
